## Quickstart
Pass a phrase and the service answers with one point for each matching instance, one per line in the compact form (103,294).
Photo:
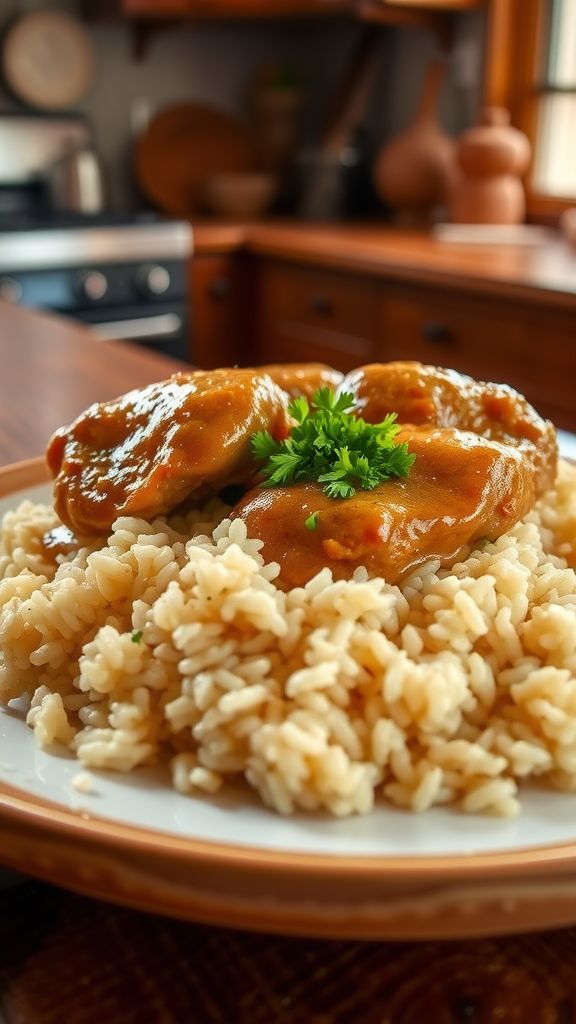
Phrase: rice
(171,641)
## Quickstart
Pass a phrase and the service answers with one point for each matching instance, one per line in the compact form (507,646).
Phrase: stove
(124,274)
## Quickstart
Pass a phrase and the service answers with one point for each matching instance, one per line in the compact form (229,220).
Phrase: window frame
(516,31)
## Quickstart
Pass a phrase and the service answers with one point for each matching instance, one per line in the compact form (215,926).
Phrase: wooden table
(51,369)
(65,959)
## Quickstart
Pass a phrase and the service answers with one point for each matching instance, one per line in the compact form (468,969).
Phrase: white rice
(454,688)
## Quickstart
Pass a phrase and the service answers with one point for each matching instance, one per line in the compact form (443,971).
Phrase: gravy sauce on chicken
(461,488)
(421,394)
(146,452)
(483,455)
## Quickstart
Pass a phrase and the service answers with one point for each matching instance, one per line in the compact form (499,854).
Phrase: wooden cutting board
(182,146)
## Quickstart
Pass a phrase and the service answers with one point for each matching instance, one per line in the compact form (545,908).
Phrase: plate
(47,59)
(183,146)
(228,860)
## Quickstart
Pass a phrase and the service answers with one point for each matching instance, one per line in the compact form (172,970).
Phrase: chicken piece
(147,451)
(430,394)
(302,378)
(461,488)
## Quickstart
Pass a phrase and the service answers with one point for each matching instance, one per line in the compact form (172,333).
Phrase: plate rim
(53,820)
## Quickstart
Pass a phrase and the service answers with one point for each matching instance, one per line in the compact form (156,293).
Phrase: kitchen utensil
(412,171)
(327,167)
(491,158)
(47,60)
(76,181)
(183,146)
(241,194)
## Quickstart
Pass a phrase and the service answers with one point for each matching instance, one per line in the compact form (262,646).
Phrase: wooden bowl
(240,195)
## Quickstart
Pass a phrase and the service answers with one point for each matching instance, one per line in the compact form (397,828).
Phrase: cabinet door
(309,315)
(219,310)
(529,347)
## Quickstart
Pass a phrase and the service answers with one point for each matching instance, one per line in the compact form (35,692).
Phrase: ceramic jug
(412,172)
(491,159)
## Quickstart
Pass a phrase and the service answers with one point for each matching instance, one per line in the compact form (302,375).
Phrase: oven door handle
(139,329)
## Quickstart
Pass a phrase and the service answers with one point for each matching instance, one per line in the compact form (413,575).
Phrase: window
(531,70)
(554,167)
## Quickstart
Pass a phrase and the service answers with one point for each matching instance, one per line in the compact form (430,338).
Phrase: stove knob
(10,289)
(153,279)
(92,285)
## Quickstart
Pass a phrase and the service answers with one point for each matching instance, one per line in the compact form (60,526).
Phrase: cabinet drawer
(532,349)
(304,312)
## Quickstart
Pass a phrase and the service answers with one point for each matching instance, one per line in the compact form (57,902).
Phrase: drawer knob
(321,305)
(219,288)
(437,333)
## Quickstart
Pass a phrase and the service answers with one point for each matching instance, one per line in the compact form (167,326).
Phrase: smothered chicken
(461,488)
(476,457)
(149,450)
(430,394)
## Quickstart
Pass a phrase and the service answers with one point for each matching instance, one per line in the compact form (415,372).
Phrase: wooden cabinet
(218,292)
(308,314)
(530,347)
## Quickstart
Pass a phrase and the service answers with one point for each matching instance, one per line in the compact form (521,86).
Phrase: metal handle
(141,328)
(437,333)
(219,288)
(321,305)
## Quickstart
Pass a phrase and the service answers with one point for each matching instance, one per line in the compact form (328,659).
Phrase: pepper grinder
(491,159)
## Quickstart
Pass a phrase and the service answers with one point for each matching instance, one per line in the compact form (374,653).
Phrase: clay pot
(491,158)
(412,172)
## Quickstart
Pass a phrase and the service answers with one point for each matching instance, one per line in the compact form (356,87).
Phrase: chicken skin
(147,451)
(429,394)
(461,488)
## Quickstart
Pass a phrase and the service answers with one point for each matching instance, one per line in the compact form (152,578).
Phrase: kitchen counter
(544,273)
(69,958)
(52,368)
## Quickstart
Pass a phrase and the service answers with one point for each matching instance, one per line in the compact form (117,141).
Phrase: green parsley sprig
(333,447)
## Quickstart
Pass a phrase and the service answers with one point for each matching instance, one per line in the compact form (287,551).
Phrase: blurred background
(234,181)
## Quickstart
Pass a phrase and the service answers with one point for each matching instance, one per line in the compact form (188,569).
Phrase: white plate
(141,810)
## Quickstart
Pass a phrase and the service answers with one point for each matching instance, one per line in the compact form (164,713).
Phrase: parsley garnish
(312,522)
(330,445)
(137,636)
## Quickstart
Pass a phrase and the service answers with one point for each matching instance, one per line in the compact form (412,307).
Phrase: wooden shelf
(383,14)
(431,5)
(154,11)
(425,13)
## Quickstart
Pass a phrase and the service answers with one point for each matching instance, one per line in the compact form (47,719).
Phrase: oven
(128,281)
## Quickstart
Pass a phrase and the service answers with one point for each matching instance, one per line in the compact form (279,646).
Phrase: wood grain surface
(69,959)
(51,369)
(543,275)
